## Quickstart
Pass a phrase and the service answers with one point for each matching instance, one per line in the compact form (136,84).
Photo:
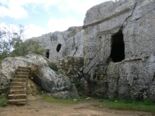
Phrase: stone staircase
(18,87)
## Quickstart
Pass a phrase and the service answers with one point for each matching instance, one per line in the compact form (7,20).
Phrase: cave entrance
(117,47)
(47,53)
(58,48)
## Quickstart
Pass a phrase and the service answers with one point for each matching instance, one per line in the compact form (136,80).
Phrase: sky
(43,16)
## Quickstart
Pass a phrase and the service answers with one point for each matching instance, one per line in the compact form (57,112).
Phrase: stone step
(24,68)
(22,73)
(21,76)
(17,101)
(17,87)
(17,96)
(18,91)
(19,80)
(18,83)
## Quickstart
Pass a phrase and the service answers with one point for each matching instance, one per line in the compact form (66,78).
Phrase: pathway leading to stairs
(38,107)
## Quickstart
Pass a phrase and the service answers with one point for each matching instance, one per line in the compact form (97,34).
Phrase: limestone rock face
(3,83)
(117,44)
(57,45)
(119,49)
(73,68)
(44,76)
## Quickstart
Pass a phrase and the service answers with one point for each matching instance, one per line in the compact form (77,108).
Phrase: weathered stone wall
(73,68)
(71,65)
(70,41)
(3,83)
(132,77)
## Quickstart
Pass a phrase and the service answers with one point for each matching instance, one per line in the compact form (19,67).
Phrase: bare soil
(38,107)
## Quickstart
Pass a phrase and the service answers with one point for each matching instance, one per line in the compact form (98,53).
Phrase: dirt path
(41,108)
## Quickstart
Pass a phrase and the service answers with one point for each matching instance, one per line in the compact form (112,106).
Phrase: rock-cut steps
(18,86)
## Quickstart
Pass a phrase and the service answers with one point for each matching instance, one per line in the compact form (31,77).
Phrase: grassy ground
(146,106)
(3,101)
(62,101)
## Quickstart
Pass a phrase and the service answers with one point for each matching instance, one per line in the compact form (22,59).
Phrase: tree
(30,46)
(8,38)
(11,44)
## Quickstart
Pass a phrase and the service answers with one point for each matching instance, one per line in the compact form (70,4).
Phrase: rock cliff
(119,49)
(58,45)
(117,45)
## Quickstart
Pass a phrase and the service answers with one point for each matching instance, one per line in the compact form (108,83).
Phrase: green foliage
(3,101)
(3,55)
(54,100)
(34,47)
(8,40)
(53,66)
(23,48)
(11,44)
(146,105)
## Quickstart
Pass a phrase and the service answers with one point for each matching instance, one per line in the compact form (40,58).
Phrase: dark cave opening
(58,48)
(47,53)
(117,47)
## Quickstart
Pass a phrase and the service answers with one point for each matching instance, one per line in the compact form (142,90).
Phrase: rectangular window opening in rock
(117,47)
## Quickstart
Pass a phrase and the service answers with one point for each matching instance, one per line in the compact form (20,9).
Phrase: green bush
(53,66)
(24,48)
(3,101)
(145,105)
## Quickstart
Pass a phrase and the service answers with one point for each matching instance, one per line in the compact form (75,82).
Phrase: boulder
(49,80)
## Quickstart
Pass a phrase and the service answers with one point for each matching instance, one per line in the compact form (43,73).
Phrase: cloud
(32,30)
(9,28)
(12,9)
(15,8)
(62,24)
(71,13)
(13,12)
(78,6)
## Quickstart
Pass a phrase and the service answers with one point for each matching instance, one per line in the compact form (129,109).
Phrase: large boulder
(53,82)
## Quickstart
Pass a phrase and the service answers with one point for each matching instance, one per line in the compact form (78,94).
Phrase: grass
(54,100)
(3,101)
(146,106)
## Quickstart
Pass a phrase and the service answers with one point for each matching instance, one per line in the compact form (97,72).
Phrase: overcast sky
(43,16)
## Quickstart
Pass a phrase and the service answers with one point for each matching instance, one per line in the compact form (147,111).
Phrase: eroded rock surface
(117,44)
(119,49)
(58,45)
(57,84)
